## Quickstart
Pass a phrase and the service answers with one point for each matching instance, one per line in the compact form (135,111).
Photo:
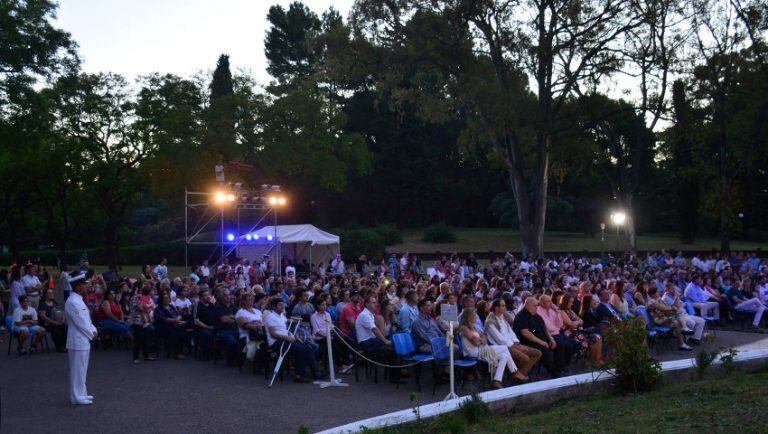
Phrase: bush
(473,408)
(358,242)
(635,370)
(389,234)
(439,233)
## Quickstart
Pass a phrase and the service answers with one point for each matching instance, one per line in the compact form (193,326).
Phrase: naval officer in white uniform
(80,333)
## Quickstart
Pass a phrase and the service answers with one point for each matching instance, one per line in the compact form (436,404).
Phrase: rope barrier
(343,338)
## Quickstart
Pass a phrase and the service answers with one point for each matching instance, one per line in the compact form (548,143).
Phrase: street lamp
(602,240)
(618,218)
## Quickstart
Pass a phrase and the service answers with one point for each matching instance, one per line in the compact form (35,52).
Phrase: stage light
(220,197)
(256,237)
(230,237)
(273,200)
(248,237)
(230,197)
(281,201)
(269,237)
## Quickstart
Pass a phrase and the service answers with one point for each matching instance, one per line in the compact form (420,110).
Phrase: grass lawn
(501,240)
(730,404)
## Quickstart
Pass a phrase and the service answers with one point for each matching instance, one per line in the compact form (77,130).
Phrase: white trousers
(504,358)
(752,305)
(709,306)
(78,370)
(696,324)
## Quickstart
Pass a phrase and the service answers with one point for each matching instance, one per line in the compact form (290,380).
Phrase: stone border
(509,396)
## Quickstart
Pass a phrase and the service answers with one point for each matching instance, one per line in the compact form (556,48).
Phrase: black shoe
(695,342)
(300,379)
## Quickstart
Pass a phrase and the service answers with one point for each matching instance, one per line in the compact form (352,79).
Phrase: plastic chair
(11,333)
(654,331)
(441,353)
(405,348)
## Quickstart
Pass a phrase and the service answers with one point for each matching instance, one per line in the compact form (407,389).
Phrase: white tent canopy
(296,242)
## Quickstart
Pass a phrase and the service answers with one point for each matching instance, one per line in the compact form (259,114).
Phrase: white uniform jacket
(80,329)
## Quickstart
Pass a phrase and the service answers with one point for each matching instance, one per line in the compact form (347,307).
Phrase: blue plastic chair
(11,333)
(441,353)
(405,348)
(654,331)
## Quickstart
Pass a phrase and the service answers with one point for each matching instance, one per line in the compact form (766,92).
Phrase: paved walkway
(173,396)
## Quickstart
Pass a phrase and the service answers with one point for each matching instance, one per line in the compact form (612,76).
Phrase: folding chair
(405,348)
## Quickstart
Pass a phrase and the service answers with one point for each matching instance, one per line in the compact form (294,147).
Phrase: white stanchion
(449,343)
(334,382)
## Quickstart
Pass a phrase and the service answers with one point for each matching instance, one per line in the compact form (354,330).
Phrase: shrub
(356,242)
(389,234)
(473,408)
(704,360)
(728,358)
(439,233)
(635,370)
(450,423)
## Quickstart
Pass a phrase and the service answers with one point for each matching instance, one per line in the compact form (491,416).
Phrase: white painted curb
(438,408)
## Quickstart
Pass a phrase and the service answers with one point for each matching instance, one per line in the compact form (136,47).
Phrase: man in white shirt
(372,341)
(32,285)
(205,270)
(701,299)
(80,333)
(499,332)
(25,325)
(337,265)
(162,269)
(304,353)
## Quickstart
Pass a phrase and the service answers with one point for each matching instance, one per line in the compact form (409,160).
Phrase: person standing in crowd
(80,333)
(161,270)
(32,285)
(64,281)
(51,316)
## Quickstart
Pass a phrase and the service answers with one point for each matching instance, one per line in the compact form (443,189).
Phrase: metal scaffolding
(208,216)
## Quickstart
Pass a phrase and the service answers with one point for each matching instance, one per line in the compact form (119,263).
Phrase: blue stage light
(230,237)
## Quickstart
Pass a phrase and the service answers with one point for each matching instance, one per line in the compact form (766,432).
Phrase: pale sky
(183,37)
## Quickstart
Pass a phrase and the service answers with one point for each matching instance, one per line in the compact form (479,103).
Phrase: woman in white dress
(497,356)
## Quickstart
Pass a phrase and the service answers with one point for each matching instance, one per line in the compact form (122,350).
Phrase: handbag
(250,349)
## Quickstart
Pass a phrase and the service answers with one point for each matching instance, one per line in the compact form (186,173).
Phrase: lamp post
(618,218)
(602,239)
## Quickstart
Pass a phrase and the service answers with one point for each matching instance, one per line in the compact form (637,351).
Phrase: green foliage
(631,360)
(704,360)
(474,408)
(357,242)
(439,233)
(416,409)
(728,358)
(288,44)
(453,423)
(303,429)
(389,234)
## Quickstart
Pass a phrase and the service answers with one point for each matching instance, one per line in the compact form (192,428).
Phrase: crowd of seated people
(513,313)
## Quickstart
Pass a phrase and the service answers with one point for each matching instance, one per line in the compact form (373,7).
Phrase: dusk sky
(173,36)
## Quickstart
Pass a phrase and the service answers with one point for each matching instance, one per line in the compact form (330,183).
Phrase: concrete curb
(509,394)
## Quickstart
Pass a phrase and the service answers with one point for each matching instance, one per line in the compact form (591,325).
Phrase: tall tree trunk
(626,203)
(110,243)
(725,216)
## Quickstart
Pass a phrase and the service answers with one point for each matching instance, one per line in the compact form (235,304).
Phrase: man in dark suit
(606,313)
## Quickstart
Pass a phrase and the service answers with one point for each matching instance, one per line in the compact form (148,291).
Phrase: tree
(682,144)
(288,45)
(623,150)
(220,113)
(730,85)
(98,113)
(31,45)
(561,46)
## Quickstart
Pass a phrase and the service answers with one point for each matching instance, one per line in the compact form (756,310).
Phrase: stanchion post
(334,382)
(449,344)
